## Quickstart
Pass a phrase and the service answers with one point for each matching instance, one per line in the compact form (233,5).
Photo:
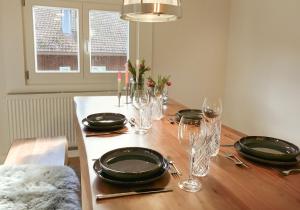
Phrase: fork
(171,121)
(132,122)
(235,159)
(172,163)
(173,172)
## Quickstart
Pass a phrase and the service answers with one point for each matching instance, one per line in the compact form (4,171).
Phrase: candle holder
(127,92)
(119,99)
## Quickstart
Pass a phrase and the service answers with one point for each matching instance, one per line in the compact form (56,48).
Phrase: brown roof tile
(109,34)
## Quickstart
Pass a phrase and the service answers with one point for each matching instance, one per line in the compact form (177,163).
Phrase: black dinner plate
(88,126)
(192,113)
(106,119)
(131,162)
(269,148)
(107,178)
(238,148)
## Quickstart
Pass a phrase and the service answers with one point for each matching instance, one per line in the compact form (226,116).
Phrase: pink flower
(150,83)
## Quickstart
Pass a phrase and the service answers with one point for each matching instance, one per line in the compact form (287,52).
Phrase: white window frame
(106,80)
(105,77)
(48,77)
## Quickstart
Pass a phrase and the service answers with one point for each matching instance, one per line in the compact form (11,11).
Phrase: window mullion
(85,30)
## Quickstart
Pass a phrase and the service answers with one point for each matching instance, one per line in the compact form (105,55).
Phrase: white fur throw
(38,187)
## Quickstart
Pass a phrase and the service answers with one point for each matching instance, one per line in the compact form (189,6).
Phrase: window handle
(87,47)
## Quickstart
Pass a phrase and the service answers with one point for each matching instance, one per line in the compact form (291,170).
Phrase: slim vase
(157,107)
(133,86)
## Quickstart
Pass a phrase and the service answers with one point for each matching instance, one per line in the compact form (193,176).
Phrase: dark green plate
(119,181)
(88,126)
(269,148)
(131,162)
(192,113)
(238,148)
(106,119)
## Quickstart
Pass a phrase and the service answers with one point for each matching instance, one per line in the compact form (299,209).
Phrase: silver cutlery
(288,172)
(227,145)
(135,192)
(132,122)
(172,163)
(106,133)
(235,159)
(173,172)
(171,121)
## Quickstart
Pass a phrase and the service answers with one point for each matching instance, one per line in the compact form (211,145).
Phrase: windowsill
(71,88)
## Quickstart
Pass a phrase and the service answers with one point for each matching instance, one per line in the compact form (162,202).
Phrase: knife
(135,192)
(227,145)
(106,133)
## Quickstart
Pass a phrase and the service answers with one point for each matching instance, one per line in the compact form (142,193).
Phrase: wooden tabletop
(227,186)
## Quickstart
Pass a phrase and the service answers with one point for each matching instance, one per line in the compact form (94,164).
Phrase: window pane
(56,39)
(108,41)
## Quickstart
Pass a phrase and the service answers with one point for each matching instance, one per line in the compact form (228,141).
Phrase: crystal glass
(141,99)
(212,110)
(147,117)
(188,132)
(157,104)
(202,152)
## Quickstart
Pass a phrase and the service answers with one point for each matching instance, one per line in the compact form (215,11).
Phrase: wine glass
(212,110)
(188,134)
(141,99)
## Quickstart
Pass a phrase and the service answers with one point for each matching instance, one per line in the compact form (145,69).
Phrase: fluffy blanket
(38,187)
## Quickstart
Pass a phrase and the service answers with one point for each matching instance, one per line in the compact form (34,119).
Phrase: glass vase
(157,107)
(165,95)
(133,86)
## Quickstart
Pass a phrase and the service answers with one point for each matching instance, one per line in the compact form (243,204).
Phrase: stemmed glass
(188,134)
(212,110)
(141,99)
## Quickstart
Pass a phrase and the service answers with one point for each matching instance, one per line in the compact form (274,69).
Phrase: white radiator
(42,115)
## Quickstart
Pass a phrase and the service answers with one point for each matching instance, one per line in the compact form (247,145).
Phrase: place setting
(101,124)
(134,171)
(270,151)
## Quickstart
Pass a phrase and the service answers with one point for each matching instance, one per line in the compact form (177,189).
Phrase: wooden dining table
(227,186)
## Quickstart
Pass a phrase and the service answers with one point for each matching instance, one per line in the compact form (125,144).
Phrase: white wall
(4,144)
(262,94)
(193,50)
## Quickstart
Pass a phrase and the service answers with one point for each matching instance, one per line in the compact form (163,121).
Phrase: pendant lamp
(151,10)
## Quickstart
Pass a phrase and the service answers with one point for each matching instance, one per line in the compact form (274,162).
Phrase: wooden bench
(42,151)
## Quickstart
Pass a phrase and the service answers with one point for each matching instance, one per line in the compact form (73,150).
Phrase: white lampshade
(151,10)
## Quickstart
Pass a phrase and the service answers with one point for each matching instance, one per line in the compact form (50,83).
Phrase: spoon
(288,172)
